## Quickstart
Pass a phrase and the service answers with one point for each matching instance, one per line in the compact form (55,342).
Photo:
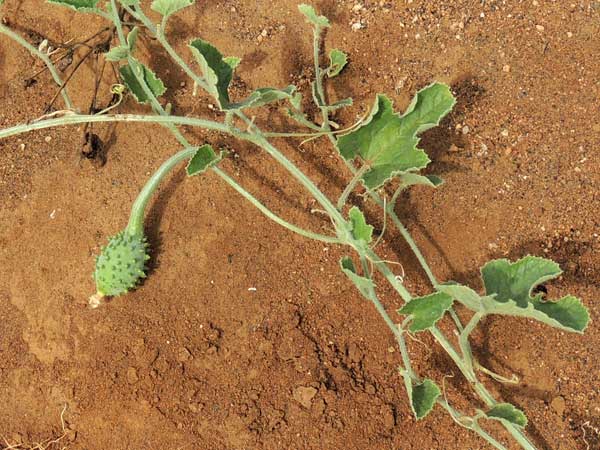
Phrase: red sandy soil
(194,359)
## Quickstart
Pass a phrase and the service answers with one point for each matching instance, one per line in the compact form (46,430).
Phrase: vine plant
(377,150)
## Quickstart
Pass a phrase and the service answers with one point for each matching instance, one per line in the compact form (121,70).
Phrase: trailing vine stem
(255,136)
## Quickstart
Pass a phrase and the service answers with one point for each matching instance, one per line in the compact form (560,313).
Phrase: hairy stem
(136,218)
(351,186)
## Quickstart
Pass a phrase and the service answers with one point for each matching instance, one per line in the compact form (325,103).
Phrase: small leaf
(512,284)
(116,53)
(359,227)
(426,311)
(507,412)
(340,104)
(168,7)
(411,179)
(423,398)
(217,70)
(363,284)
(337,61)
(387,142)
(204,158)
(128,75)
(263,96)
(132,38)
(130,2)
(312,16)
(78,5)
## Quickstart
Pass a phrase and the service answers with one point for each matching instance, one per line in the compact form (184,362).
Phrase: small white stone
(504,133)
(539,27)
(48,138)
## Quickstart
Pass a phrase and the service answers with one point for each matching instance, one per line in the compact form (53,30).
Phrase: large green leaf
(217,70)
(204,158)
(423,397)
(426,311)
(337,61)
(128,74)
(505,412)
(363,284)
(359,227)
(512,285)
(312,16)
(78,5)
(387,142)
(168,7)
(509,288)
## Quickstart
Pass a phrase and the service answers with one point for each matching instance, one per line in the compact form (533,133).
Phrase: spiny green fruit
(121,264)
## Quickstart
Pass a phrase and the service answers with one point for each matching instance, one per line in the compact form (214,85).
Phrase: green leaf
(337,61)
(217,70)
(204,158)
(120,52)
(130,2)
(359,227)
(128,74)
(423,398)
(340,104)
(263,96)
(116,53)
(411,179)
(78,5)
(512,284)
(132,38)
(505,412)
(363,284)
(312,16)
(465,295)
(168,7)
(387,142)
(426,311)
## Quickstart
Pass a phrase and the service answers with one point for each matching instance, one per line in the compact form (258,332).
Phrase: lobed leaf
(512,285)
(387,142)
(337,61)
(128,74)
(359,227)
(168,7)
(204,158)
(508,413)
(426,311)
(509,287)
(312,16)
(423,398)
(78,5)
(363,284)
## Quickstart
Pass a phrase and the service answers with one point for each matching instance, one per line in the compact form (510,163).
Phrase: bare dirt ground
(193,359)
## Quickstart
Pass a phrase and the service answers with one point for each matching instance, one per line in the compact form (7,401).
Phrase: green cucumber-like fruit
(121,264)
